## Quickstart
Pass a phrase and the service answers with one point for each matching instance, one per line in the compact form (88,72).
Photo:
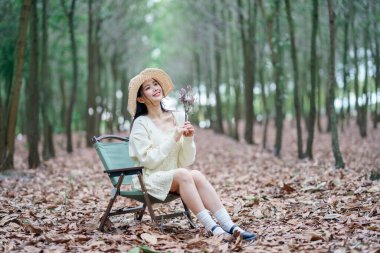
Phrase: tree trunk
(297,106)
(345,71)
(98,77)
(279,83)
(276,63)
(313,75)
(377,80)
(332,83)
(264,101)
(91,106)
(364,107)
(6,155)
(356,60)
(46,110)
(70,110)
(218,70)
(32,98)
(233,49)
(115,76)
(248,81)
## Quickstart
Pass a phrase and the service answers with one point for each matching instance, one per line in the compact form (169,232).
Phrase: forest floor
(292,205)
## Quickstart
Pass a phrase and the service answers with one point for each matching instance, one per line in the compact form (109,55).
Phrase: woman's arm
(187,152)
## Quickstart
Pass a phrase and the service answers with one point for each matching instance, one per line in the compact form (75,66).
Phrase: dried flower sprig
(187,98)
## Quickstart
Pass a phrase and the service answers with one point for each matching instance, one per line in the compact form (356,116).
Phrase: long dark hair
(141,108)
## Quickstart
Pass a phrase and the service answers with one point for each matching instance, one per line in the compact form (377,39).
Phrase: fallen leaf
(9,218)
(287,188)
(31,229)
(149,238)
(331,216)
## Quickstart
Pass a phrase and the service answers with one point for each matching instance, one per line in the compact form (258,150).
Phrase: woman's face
(151,91)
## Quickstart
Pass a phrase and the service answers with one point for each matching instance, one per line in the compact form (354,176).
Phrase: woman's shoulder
(138,123)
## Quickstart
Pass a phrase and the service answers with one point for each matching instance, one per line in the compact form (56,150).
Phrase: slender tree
(218,44)
(313,76)
(32,105)
(339,164)
(7,149)
(345,67)
(74,55)
(248,75)
(46,93)
(297,106)
(91,106)
(276,51)
(363,109)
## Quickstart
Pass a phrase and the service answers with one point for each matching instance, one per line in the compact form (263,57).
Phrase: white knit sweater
(160,155)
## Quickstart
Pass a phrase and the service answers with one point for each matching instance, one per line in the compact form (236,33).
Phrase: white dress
(159,153)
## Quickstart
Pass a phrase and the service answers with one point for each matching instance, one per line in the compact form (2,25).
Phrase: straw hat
(157,74)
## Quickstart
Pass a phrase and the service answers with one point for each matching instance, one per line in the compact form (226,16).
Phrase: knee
(183,176)
(197,176)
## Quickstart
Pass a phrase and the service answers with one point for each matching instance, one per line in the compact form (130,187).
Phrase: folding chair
(120,169)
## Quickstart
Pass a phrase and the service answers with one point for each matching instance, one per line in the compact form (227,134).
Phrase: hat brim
(134,85)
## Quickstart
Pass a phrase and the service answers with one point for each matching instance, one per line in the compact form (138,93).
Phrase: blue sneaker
(247,236)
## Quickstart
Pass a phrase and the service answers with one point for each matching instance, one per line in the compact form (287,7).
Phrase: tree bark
(6,155)
(46,110)
(356,60)
(70,18)
(297,106)
(91,106)
(218,45)
(32,97)
(332,83)
(248,78)
(277,71)
(279,83)
(264,101)
(377,80)
(313,75)
(364,108)
(345,71)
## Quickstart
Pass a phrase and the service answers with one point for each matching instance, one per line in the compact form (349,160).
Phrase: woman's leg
(206,192)
(212,202)
(183,183)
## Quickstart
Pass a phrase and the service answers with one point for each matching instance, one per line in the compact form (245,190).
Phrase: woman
(163,143)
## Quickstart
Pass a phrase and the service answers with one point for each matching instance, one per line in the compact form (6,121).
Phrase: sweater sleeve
(187,152)
(142,150)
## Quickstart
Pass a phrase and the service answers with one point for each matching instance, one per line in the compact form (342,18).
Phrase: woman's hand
(189,129)
(179,131)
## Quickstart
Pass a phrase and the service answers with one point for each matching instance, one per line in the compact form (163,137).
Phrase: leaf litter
(291,204)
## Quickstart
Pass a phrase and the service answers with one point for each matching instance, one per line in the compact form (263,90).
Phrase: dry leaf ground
(292,205)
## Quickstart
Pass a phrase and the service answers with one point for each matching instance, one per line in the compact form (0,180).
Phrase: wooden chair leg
(188,215)
(114,194)
(141,213)
(147,200)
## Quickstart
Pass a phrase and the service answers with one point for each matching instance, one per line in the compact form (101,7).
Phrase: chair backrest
(114,155)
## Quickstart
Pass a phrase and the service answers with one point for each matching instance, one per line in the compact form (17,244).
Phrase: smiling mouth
(157,94)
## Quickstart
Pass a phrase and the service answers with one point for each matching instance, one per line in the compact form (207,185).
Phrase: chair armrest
(108,136)
(125,171)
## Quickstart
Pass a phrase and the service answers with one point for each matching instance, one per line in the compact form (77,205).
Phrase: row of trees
(68,63)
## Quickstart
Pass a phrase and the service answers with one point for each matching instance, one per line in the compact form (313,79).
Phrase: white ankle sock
(205,218)
(225,221)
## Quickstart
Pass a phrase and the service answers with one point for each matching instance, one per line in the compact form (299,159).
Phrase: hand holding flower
(189,129)
(187,98)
